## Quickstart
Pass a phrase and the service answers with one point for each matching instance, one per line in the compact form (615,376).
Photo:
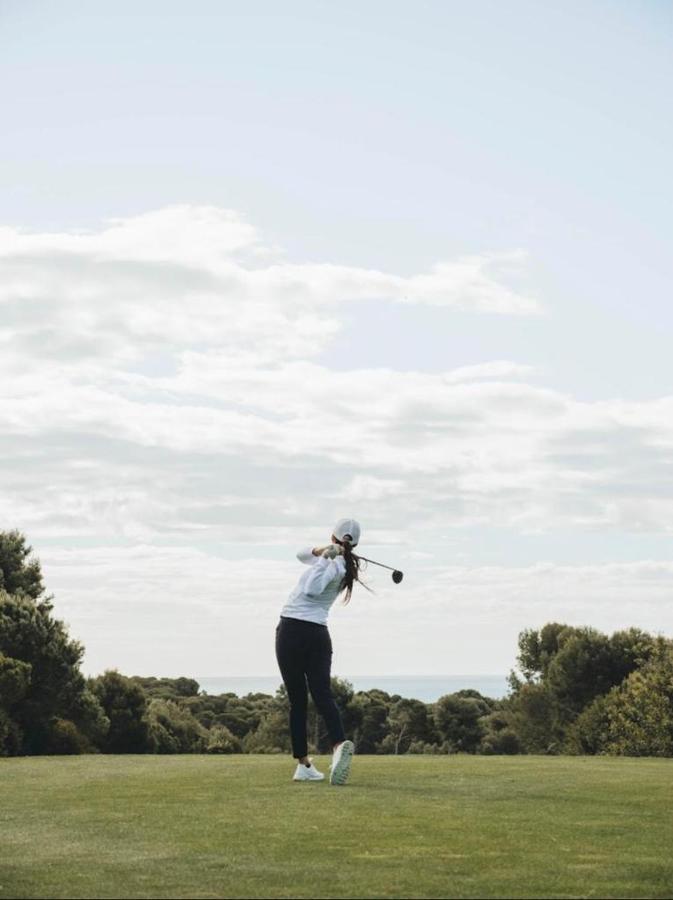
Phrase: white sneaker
(307,773)
(341,762)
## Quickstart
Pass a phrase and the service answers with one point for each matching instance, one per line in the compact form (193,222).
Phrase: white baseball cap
(347,527)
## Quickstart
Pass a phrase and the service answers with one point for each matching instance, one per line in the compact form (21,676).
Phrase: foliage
(499,737)
(168,688)
(638,717)
(51,684)
(566,670)
(531,715)
(14,680)
(409,723)
(458,718)
(173,729)
(125,705)
(11,737)
(20,573)
(272,734)
(65,739)
(221,740)
(589,732)
(241,715)
(372,728)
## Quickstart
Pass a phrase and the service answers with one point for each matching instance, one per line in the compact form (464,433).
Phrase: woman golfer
(304,647)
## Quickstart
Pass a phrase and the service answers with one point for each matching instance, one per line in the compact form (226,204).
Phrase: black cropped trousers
(304,654)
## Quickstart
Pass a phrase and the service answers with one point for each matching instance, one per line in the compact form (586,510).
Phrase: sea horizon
(427,688)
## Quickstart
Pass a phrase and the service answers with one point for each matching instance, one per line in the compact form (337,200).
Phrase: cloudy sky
(265,265)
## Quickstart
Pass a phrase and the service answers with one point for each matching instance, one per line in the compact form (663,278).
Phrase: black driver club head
(397,575)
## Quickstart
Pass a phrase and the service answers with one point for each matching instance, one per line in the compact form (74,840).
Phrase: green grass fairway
(457,826)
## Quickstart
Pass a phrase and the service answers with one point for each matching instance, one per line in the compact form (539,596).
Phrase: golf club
(397,575)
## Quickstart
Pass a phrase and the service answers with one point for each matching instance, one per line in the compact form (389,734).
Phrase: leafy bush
(66,739)
(41,678)
(10,735)
(458,719)
(373,707)
(499,737)
(427,748)
(125,707)
(640,714)
(589,733)
(272,735)
(173,729)
(221,740)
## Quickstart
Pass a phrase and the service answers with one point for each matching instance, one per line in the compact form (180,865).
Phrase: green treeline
(577,691)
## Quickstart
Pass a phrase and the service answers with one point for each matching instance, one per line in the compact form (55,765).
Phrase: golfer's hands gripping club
(331,551)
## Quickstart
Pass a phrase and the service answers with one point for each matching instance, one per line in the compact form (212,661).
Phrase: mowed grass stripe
(458,826)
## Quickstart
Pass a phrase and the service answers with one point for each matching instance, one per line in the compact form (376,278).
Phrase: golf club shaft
(373,561)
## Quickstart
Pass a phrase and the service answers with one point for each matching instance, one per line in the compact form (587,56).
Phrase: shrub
(589,733)
(221,740)
(640,714)
(499,736)
(173,729)
(458,719)
(125,705)
(65,739)
(10,736)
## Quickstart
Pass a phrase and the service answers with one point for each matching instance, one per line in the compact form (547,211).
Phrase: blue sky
(504,413)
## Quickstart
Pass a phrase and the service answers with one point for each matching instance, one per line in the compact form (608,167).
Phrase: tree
(574,661)
(408,723)
(168,688)
(221,740)
(125,706)
(173,729)
(565,670)
(52,686)
(57,689)
(589,664)
(272,734)
(241,715)
(14,680)
(589,732)
(499,737)
(20,574)
(639,714)
(458,719)
(14,684)
(538,648)
(372,728)
(65,739)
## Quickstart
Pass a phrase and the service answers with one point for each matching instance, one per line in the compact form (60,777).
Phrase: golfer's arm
(323,572)
(307,555)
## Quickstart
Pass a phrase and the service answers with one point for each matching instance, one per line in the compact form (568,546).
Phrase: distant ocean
(420,687)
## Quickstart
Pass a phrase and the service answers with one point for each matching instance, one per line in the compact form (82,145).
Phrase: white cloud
(161,382)
(201,236)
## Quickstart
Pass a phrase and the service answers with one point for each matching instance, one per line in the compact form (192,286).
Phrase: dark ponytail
(352,570)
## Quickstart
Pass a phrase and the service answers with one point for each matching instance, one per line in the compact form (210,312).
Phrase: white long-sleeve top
(317,588)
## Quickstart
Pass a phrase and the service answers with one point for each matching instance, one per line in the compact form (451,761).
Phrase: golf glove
(332,551)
